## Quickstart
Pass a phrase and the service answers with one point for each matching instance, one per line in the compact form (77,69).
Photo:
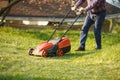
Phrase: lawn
(16,64)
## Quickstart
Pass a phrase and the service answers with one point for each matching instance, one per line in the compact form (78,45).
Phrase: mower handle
(60,22)
(59,25)
(71,25)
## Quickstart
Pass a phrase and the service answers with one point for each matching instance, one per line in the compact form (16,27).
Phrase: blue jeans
(98,20)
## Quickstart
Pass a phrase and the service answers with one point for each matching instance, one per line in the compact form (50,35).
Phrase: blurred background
(39,13)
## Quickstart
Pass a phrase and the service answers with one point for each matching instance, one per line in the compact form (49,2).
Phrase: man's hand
(73,8)
(82,10)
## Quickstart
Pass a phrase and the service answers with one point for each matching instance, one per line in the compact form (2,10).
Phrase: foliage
(16,64)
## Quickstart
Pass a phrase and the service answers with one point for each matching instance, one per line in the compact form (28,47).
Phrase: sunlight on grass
(16,64)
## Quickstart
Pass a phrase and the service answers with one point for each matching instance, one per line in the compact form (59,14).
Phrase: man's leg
(97,29)
(84,31)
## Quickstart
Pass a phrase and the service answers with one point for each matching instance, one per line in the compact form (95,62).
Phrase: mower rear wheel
(60,53)
(44,54)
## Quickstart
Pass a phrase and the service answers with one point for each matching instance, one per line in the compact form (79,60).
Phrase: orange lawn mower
(56,47)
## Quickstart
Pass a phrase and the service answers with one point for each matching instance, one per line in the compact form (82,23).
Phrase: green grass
(16,64)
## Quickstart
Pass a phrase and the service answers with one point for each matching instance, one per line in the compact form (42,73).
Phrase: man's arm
(79,3)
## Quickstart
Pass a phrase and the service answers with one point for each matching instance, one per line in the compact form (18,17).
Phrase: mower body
(56,47)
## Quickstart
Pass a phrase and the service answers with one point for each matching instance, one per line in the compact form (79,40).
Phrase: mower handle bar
(62,23)
(71,25)
(59,25)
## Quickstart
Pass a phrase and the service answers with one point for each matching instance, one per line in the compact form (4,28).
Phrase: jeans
(98,20)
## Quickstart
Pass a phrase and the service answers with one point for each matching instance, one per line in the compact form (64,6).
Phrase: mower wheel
(60,53)
(44,54)
(30,51)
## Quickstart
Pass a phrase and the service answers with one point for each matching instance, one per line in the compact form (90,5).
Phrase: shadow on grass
(20,77)
(76,55)
(72,55)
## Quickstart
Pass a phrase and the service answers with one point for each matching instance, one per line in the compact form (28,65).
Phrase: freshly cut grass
(16,64)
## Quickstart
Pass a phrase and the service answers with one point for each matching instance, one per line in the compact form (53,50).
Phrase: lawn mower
(56,47)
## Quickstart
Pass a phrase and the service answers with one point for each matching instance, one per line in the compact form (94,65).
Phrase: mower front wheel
(31,51)
(44,54)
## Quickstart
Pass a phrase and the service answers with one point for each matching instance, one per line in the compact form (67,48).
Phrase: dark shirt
(95,6)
